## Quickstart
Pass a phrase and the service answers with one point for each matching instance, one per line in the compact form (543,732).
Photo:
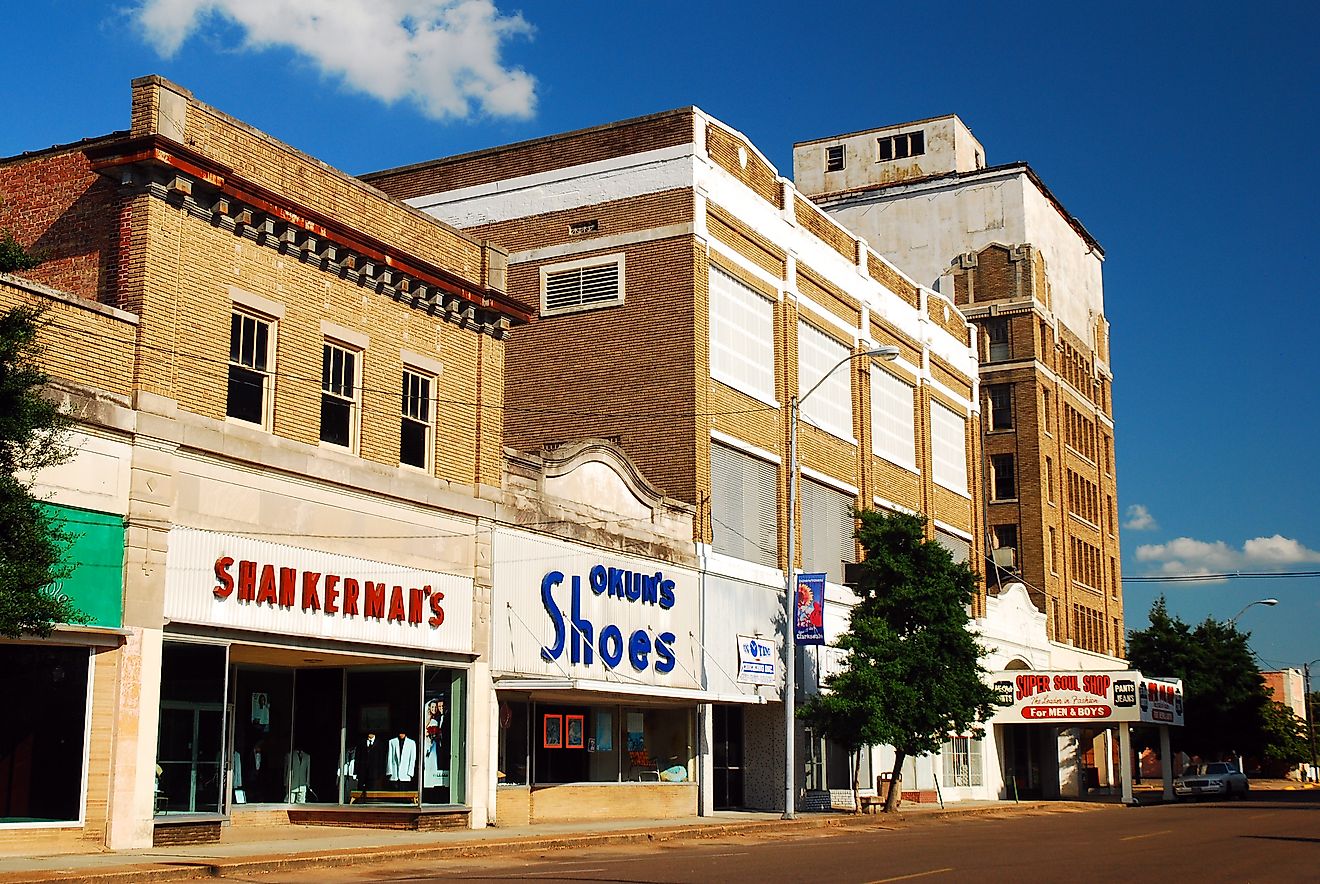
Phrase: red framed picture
(552,732)
(575,732)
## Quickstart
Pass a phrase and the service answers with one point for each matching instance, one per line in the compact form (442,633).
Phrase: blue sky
(1182,135)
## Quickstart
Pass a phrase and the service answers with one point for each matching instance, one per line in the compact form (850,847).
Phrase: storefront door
(191,776)
(728,756)
(1022,774)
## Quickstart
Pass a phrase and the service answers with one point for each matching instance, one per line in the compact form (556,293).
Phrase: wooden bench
(872,803)
(394,797)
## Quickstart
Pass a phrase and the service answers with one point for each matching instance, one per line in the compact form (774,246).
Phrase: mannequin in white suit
(401,764)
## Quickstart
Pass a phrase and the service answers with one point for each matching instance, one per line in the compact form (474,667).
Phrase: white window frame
(830,407)
(948,448)
(893,419)
(268,373)
(963,761)
(354,402)
(431,379)
(742,336)
(615,261)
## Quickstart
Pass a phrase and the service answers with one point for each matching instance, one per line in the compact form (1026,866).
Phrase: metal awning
(619,689)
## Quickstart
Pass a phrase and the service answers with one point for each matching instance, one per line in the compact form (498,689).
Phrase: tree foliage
(912,675)
(1285,736)
(1224,695)
(32,545)
(13,257)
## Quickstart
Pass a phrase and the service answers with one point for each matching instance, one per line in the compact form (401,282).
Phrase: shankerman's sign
(222,580)
(1077,696)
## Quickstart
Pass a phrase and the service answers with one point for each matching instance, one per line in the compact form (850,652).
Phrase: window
(996,333)
(41,744)
(744,506)
(416,427)
(834,158)
(582,285)
(827,530)
(1049,480)
(962,761)
(1006,546)
(830,406)
(1004,478)
(1046,411)
(1001,406)
(742,337)
(250,339)
(893,424)
(948,433)
(1052,554)
(959,547)
(339,392)
(899,147)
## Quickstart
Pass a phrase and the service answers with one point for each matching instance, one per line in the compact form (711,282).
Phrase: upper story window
(417,423)
(830,406)
(827,530)
(340,395)
(742,337)
(585,284)
(999,348)
(948,437)
(900,147)
(893,423)
(1001,406)
(1004,478)
(251,352)
(834,158)
(744,505)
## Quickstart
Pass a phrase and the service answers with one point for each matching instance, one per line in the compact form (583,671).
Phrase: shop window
(339,395)
(444,744)
(383,724)
(514,743)
(962,761)
(250,348)
(416,432)
(317,725)
(838,767)
(608,744)
(190,762)
(41,743)
(263,734)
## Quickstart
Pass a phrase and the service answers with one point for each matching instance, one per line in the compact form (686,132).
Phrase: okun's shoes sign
(1079,696)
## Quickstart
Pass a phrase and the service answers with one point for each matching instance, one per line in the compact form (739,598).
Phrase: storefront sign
(756,660)
(809,617)
(576,631)
(1063,697)
(1161,701)
(221,580)
(95,557)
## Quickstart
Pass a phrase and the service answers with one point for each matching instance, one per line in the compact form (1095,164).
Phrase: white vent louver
(582,286)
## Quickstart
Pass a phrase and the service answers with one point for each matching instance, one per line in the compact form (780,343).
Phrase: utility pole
(1310,715)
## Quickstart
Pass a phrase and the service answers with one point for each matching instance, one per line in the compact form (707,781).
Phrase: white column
(1125,759)
(1166,762)
(137,716)
(705,759)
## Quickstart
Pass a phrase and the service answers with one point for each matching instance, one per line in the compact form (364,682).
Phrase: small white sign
(757,659)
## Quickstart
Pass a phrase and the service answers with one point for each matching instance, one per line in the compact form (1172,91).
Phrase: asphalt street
(1270,837)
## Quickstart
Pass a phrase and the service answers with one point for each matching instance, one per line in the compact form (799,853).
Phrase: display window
(190,756)
(595,744)
(42,742)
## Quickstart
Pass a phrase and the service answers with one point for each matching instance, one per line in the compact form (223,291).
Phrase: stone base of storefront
(175,832)
(410,819)
(593,802)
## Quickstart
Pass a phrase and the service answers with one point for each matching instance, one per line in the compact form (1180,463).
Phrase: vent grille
(583,287)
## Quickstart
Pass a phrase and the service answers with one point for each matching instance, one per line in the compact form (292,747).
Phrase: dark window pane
(918,143)
(246,395)
(412,444)
(235,336)
(41,743)
(262,346)
(335,414)
(886,148)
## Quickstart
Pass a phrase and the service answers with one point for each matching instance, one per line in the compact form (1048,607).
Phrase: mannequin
(369,762)
(401,767)
(297,774)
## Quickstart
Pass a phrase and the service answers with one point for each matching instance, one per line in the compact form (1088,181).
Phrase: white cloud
(442,55)
(1140,519)
(1188,556)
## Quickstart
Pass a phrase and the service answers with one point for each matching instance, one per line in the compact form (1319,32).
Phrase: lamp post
(1310,714)
(888,354)
(1267,602)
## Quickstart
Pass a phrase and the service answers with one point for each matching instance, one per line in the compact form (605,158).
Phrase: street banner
(809,619)
(756,660)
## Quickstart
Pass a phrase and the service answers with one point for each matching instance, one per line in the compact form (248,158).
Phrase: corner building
(686,293)
(287,393)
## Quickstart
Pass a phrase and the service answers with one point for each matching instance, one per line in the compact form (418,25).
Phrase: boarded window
(827,530)
(948,432)
(742,337)
(744,508)
(893,423)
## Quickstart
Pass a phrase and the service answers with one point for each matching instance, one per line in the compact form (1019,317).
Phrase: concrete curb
(186,869)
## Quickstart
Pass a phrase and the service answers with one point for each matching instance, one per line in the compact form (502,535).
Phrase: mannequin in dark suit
(369,762)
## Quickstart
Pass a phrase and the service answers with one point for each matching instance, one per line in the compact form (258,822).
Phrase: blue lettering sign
(628,587)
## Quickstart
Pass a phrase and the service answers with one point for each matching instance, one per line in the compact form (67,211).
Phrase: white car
(1216,778)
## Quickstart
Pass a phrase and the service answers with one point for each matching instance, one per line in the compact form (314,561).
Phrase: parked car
(1216,778)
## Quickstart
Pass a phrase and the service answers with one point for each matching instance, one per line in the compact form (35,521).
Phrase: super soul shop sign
(1066,696)
(221,580)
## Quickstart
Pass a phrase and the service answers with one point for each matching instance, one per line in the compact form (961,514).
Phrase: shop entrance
(1021,759)
(727,755)
(191,773)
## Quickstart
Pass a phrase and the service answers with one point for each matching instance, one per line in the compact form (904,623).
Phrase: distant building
(1026,272)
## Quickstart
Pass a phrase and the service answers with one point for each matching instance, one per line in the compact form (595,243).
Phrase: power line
(1228,575)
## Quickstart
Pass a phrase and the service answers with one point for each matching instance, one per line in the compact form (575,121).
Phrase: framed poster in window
(552,732)
(575,731)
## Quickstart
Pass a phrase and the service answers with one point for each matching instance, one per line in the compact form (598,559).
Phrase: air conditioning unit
(1005,557)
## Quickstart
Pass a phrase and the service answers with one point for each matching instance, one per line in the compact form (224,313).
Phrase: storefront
(52,683)
(601,683)
(301,681)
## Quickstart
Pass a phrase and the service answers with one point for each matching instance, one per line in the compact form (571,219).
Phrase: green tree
(32,545)
(13,257)
(1224,696)
(1285,737)
(912,675)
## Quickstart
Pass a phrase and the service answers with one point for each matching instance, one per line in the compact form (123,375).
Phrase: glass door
(190,769)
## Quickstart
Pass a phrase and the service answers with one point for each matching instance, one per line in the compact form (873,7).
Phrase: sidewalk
(247,851)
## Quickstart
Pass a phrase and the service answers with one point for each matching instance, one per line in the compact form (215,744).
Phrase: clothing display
(435,759)
(297,774)
(402,764)
(369,762)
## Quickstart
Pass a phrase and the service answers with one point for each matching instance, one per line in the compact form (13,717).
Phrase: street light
(1267,602)
(889,354)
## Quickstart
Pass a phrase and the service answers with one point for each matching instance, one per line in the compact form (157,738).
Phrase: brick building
(686,293)
(1028,275)
(287,390)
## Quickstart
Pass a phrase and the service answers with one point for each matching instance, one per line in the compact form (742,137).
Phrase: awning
(660,692)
